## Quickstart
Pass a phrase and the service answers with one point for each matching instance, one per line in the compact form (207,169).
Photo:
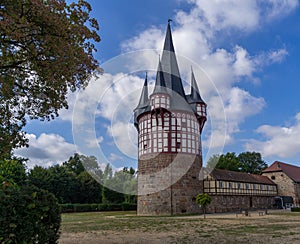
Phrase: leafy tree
(90,190)
(203,200)
(74,164)
(46,49)
(251,162)
(28,215)
(213,161)
(228,161)
(12,171)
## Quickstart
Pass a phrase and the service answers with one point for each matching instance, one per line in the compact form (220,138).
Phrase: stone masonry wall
(168,184)
(224,203)
(285,185)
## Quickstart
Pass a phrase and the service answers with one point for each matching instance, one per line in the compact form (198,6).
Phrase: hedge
(68,208)
(295,209)
(28,215)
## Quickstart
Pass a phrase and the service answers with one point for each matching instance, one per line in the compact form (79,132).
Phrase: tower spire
(160,85)
(195,94)
(170,66)
(143,105)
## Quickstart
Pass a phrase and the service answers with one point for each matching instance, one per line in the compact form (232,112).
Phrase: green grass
(185,229)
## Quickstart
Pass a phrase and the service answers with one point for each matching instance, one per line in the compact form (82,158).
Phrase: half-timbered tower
(169,124)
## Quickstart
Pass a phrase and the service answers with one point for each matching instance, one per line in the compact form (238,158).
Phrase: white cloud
(117,93)
(46,150)
(220,14)
(201,26)
(281,141)
(92,143)
(279,8)
(114,157)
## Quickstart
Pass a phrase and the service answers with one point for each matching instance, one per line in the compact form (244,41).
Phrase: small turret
(144,103)
(197,103)
(160,97)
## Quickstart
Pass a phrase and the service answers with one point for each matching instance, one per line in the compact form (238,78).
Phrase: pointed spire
(160,84)
(170,66)
(144,100)
(195,94)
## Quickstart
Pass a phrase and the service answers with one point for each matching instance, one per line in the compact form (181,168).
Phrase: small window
(220,184)
(178,144)
(273,177)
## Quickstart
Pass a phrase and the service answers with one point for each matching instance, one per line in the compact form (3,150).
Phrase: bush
(28,215)
(128,206)
(295,209)
(67,208)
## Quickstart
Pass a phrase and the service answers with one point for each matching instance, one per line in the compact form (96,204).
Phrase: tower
(169,125)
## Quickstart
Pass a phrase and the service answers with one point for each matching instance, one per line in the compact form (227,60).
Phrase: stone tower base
(168,184)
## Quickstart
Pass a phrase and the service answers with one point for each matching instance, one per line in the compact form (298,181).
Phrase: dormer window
(201,109)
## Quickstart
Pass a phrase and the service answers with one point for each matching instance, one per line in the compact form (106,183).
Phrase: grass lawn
(126,227)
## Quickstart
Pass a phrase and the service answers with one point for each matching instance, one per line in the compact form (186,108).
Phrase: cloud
(220,71)
(113,157)
(225,68)
(281,141)
(46,150)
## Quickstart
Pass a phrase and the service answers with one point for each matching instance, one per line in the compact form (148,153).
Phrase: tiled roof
(226,175)
(291,171)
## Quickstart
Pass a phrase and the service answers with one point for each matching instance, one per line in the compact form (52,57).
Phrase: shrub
(28,215)
(128,206)
(295,209)
(68,208)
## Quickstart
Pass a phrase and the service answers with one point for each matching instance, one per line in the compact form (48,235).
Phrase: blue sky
(246,60)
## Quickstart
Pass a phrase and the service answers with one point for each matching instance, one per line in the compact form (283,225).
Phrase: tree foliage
(46,49)
(249,162)
(203,200)
(28,215)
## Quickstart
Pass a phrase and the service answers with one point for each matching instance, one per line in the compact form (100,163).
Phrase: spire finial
(169,21)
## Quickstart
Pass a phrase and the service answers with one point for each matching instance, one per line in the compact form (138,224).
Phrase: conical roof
(195,96)
(170,66)
(144,103)
(160,85)
(144,100)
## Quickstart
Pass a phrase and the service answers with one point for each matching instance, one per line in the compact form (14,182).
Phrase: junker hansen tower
(169,124)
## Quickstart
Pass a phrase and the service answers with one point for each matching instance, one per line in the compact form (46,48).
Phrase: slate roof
(195,96)
(144,103)
(160,84)
(291,171)
(226,175)
(170,65)
(168,76)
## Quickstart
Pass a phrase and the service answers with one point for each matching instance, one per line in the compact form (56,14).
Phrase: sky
(245,56)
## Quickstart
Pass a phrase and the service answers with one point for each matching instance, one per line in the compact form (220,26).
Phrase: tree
(213,161)
(12,172)
(46,49)
(251,162)
(229,161)
(203,200)
(28,215)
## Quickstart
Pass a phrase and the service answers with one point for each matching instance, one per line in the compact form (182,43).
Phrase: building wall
(230,203)
(297,194)
(168,184)
(285,185)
